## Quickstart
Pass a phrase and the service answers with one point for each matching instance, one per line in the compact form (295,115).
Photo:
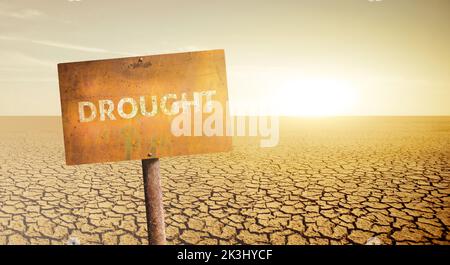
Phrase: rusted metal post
(153,202)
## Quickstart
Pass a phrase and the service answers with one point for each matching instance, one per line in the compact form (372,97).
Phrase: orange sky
(342,57)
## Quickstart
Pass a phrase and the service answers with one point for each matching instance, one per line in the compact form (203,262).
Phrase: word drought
(122,109)
(106,107)
(186,122)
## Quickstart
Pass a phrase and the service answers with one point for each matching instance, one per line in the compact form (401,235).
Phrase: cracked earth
(329,181)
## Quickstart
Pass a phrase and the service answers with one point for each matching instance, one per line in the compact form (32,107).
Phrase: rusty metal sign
(123,109)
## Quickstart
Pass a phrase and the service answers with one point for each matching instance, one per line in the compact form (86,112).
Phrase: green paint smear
(129,134)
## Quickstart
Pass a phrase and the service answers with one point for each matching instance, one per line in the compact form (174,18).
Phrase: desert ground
(329,181)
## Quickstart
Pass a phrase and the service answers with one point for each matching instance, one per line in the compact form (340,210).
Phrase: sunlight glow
(299,97)
(316,97)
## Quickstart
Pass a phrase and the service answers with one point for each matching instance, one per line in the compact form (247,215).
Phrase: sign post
(124,109)
(153,202)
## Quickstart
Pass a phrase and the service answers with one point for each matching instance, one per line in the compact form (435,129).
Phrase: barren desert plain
(342,180)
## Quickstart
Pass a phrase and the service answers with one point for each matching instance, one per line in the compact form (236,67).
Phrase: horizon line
(281,116)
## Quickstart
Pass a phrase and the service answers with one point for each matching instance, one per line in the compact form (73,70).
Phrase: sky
(300,57)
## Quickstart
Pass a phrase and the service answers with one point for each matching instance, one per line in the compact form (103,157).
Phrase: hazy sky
(342,57)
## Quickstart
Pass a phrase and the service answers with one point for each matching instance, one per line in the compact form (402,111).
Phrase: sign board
(122,109)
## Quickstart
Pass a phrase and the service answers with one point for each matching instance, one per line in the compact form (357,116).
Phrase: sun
(316,97)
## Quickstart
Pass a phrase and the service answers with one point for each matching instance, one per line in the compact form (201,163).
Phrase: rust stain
(109,136)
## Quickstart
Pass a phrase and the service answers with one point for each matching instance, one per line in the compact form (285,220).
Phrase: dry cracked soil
(329,181)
